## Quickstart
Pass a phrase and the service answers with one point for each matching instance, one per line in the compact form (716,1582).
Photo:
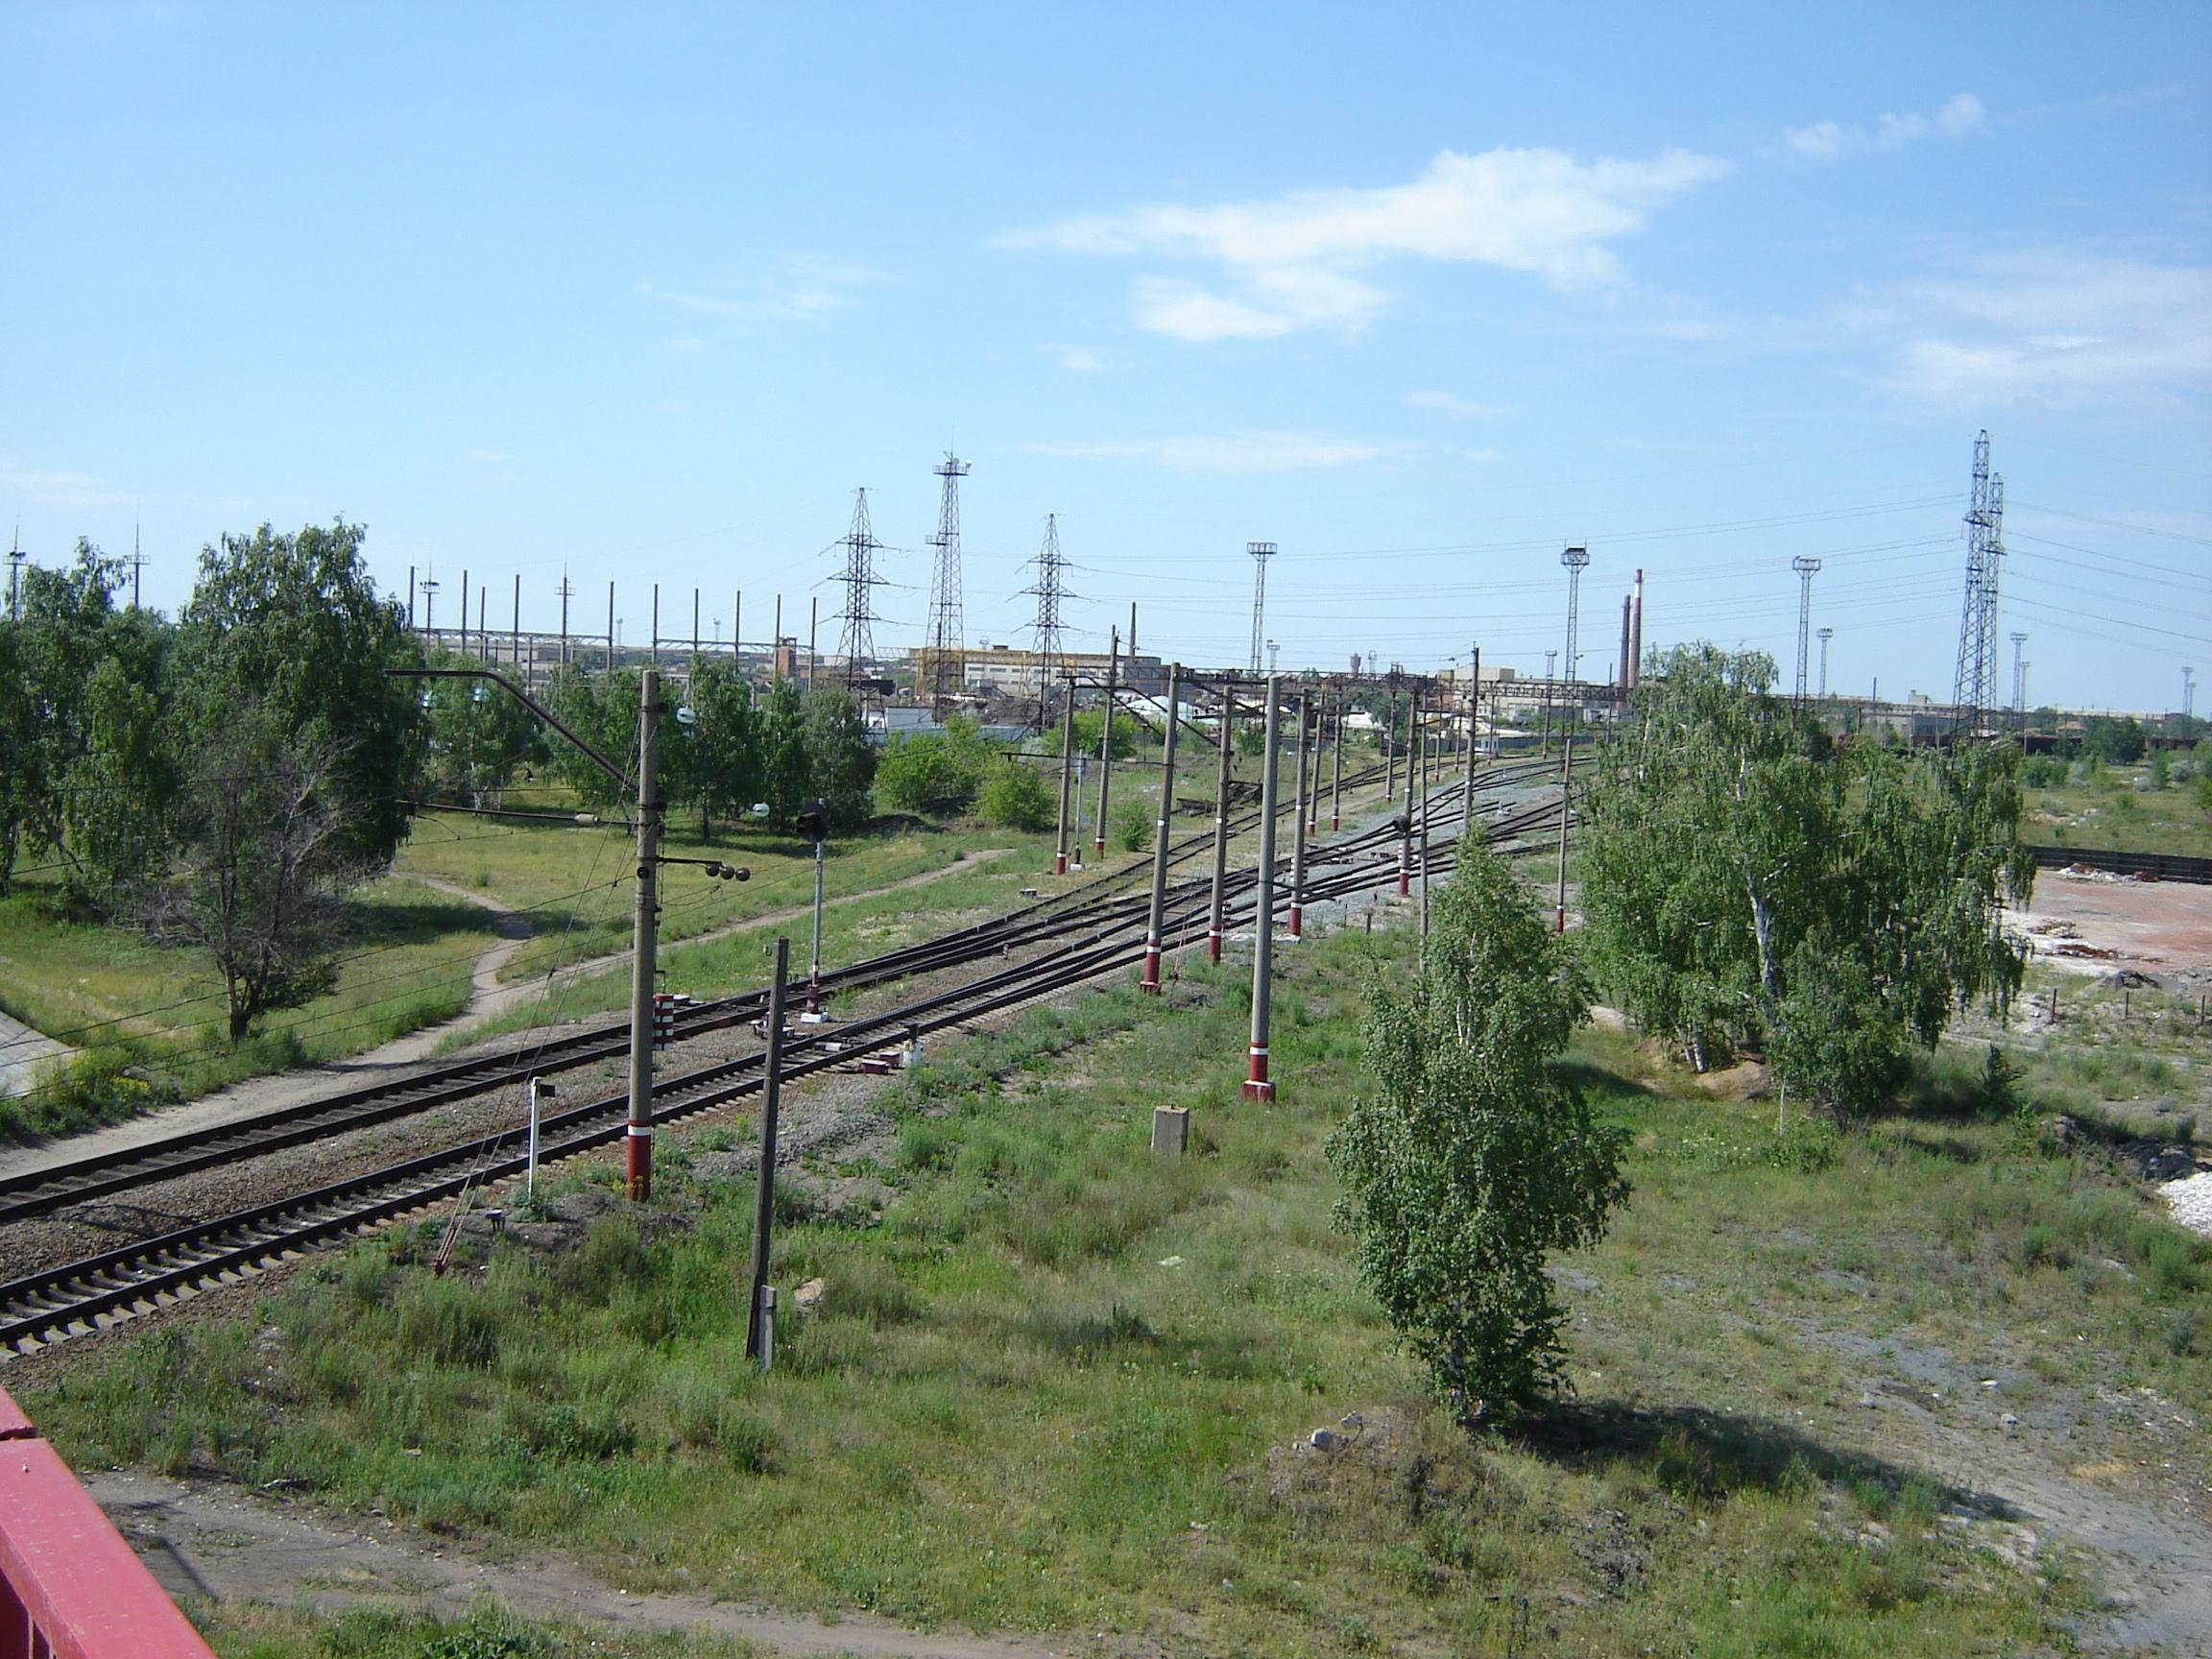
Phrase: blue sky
(1419,293)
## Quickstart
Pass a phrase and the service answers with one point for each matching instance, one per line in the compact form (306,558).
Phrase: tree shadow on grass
(1698,1454)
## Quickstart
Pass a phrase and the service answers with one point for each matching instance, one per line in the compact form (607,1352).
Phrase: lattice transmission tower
(1577,560)
(855,633)
(1806,569)
(1262,552)
(948,648)
(1974,684)
(1050,590)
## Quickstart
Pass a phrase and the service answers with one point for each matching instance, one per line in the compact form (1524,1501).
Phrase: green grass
(1057,1385)
(2117,811)
(161,1011)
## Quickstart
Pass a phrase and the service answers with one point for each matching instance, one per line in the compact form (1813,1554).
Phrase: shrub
(1014,797)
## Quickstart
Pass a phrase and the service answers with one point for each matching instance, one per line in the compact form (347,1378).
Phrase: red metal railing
(70,1588)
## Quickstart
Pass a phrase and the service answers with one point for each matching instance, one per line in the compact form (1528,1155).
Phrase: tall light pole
(2019,675)
(1824,636)
(1577,560)
(1806,569)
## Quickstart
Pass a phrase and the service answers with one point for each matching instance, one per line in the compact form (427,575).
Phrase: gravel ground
(2191,1199)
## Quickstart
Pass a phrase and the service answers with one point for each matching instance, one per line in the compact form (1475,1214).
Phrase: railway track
(58,1185)
(1096,933)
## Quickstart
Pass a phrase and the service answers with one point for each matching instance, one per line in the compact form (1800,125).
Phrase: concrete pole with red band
(1153,924)
(1257,1086)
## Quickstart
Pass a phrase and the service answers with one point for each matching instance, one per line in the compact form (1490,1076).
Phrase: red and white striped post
(1154,922)
(1257,1086)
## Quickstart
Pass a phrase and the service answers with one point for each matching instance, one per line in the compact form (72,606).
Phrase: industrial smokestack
(1623,678)
(1635,634)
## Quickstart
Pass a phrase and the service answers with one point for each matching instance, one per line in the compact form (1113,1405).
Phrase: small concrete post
(1170,1130)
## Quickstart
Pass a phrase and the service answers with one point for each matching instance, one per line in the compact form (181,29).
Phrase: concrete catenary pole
(1066,776)
(637,1151)
(1474,710)
(1386,735)
(1257,1086)
(1106,739)
(1405,818)
(1217,906)
(1336,767)
(1300,824)
(1155,922)
(771,1097)
(1566,772)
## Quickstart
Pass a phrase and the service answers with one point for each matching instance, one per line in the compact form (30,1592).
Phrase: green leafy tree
(1471,1162)
(1090,728)
(1014,797)
(935,771)
(20,794)
(601,709)
(291,624)
(1747,884)
(722,746)
(840,759)
(479,736)
(787,778)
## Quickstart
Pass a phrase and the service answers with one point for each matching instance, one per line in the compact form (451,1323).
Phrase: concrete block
(1170,1130)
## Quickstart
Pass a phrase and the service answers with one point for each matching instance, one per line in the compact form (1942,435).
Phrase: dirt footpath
(210,1539)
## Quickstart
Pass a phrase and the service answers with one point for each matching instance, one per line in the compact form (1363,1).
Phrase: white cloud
(1287,263)
(49,487)
(1830,140)
(797,289)
(2051,329)
(1234,452)
(1451,403)
(1079,358)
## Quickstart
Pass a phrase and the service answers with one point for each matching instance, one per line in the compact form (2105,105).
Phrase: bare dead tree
(261,872)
